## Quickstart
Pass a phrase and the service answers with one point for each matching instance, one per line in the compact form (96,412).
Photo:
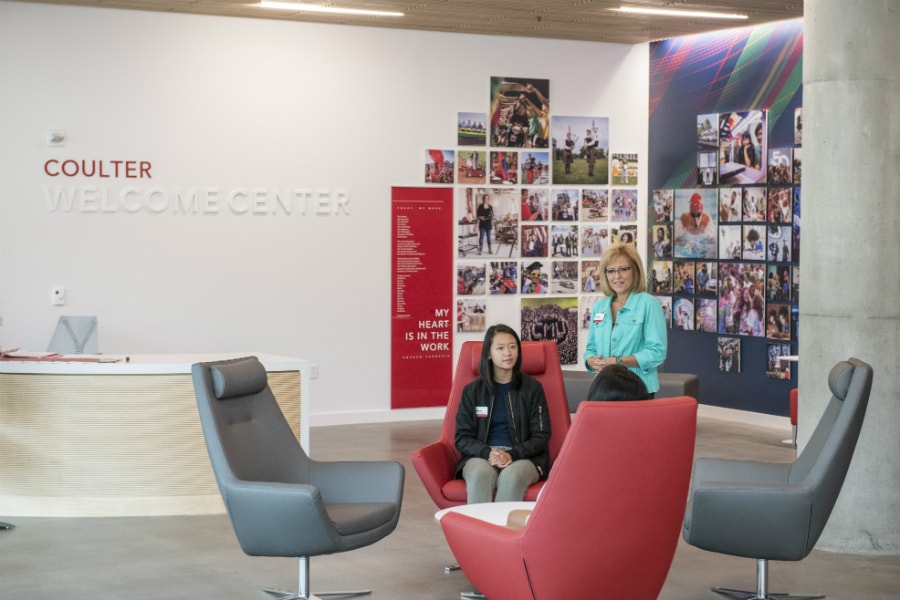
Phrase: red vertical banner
(422,296)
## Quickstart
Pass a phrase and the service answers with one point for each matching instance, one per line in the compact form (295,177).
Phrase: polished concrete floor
(198,557)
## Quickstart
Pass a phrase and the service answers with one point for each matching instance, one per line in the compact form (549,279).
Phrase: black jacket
(529,424)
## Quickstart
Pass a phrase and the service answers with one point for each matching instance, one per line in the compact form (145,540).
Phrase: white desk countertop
(140,364)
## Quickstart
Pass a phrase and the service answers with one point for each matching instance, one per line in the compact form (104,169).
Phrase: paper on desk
(26,354)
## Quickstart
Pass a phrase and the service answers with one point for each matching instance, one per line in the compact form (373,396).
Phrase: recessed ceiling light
(298,6)
(666,12)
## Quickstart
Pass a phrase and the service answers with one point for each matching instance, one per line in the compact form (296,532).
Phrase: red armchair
(434,463)
(607,523)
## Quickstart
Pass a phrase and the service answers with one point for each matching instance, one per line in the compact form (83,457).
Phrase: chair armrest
(266,518)
(435,464)
(358,481)
(753,520)
(490,555)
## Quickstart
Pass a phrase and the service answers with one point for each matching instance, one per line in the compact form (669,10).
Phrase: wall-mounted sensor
(58,296)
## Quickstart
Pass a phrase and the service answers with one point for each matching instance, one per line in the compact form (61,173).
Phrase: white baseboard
(437,413)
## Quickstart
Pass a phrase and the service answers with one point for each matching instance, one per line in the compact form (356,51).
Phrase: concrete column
(850,249)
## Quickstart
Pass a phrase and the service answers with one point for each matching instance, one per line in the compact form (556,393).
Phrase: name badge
(481,412)
(598,318)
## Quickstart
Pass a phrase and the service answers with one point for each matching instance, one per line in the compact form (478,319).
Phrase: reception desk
(117,438)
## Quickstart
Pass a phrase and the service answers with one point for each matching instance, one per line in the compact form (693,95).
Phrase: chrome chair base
(748,595)
(285,595)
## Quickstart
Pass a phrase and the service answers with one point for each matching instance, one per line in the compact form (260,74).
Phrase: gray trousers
(510,482)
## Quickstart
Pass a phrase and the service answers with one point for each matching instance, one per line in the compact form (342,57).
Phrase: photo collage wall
(539,197)
(724,255)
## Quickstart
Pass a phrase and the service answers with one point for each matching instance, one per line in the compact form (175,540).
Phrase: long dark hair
(487,366)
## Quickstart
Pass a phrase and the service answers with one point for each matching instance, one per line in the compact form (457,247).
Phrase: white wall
(228,104)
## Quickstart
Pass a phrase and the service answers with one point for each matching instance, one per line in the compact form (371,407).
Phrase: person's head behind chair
(616,382)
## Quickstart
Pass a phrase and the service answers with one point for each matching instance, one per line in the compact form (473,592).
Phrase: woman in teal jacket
(627,326)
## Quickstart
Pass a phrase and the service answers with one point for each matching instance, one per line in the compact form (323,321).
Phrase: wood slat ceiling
(586,20)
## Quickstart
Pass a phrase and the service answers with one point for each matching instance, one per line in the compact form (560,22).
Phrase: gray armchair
(777,511)
(281,502)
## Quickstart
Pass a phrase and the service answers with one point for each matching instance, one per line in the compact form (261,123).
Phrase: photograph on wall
(795,224)
(535,204)
(535,239)
(624,234)
(490,235)
(594,239)
(730,205)
(754,204)
(780,166)
(580,150)
(779,243)
(564,204)
(705,315)
(504,167)
(624,169)
(659,277)
(535,279)
(470,279)
(742,147)
(706,279)
(683,277)
(504,277)
(729,350)
(741,298)
(795,323)
(707,173)
(624,205)
(439,166)
(730,242)
(776,368)
(594,204)
(564,277)
(665,302)
(534,168)
(798,166)
(520,112)
(662,241)
(472,167)
(470,315)
(662,204)
(471,129)
(708,132)
(555,320)
(684,314)
(564,241)
(586,308)
(778,321)
(778,207)
(754,242)
(795,284)
(695,228)
(778,283)
(798,126)
(590,275)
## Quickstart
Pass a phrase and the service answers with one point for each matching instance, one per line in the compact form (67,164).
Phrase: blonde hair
(639,283)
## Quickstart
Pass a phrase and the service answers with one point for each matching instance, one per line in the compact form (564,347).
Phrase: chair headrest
(239,378)
(533,360)
(839,379)
(473,361)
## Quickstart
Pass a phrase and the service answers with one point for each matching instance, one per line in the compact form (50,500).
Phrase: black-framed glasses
(611,272)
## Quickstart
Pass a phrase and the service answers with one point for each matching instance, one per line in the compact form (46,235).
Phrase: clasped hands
(499,458)
(598,362)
